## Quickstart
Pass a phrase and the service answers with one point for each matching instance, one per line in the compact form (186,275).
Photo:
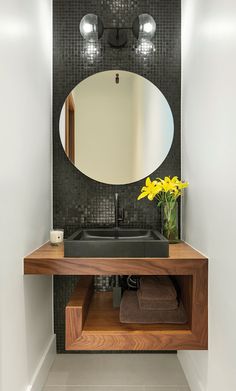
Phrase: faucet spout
(116,210)
(119,214)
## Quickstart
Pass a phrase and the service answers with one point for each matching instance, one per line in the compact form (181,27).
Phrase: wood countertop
(50,260)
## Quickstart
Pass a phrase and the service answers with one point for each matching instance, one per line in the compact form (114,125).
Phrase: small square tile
(79,201)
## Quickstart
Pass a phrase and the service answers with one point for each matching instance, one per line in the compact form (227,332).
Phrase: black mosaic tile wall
(79,201)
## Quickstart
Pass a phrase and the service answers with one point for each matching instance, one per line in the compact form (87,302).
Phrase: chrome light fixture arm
(92,28)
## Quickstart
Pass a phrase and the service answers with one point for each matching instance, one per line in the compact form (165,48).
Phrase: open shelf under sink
(93,324)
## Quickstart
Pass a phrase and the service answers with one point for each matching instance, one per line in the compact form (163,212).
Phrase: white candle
(56,236)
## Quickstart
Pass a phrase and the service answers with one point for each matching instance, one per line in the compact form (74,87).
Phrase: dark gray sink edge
(113,248)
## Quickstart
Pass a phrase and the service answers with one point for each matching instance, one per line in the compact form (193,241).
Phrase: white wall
(209,164)
(25,189)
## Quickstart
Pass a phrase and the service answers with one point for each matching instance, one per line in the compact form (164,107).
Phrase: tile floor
(116,372)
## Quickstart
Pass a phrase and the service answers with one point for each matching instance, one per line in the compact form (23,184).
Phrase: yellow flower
(168,185)
(176,192)
(175,179)
(182,185)
(173,186)
(167,189)
(151,189)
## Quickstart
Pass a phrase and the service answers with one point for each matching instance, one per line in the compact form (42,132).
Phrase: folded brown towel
(131,313)
(155,304)
(157,287)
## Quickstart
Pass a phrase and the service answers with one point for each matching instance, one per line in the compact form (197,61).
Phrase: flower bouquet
(166,191)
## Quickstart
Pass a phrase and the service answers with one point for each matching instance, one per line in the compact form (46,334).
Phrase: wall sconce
(143,28)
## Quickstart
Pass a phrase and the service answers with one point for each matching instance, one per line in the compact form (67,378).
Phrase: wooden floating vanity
(93,324)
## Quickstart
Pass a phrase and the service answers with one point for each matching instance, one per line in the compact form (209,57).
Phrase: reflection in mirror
(116,127)
(67,127)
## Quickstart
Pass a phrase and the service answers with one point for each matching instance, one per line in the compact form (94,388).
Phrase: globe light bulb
(144,27)
(147,26)
(91,27)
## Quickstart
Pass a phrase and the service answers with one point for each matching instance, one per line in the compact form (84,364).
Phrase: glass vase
(169,215)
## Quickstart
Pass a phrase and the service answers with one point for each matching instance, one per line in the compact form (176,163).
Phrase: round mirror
(116,127)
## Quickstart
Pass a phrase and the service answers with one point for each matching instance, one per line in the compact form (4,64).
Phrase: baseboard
(190,371)
(41,372)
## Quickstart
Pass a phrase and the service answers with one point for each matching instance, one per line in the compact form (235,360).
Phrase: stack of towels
(154,302)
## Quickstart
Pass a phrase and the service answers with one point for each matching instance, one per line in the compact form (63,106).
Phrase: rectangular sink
(116,242)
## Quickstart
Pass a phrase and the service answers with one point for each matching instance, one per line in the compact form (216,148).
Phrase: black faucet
(118,217)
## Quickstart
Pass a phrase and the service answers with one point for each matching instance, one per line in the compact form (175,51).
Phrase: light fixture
(91,27)
(143,28)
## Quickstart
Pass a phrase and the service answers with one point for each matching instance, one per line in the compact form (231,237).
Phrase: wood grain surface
(50,260)
(77,308)
(101,329)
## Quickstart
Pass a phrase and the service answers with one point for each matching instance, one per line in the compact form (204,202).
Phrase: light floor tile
(115,388)
(173,388)
(94,388)
(110,370)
